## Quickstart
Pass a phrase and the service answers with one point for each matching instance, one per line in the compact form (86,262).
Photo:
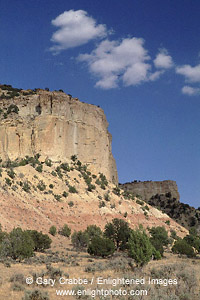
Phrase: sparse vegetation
(53,230)
(182,247)
(41,186)
(35,294)
(80,239)
(140,247)
(100,246)
(71,203)
(119,232)
(72,189)
(65,230)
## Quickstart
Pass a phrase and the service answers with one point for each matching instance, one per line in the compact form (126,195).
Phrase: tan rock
(57,126)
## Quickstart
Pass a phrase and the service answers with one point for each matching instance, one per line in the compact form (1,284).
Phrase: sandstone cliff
(56,126)
(165,196)
(148,189)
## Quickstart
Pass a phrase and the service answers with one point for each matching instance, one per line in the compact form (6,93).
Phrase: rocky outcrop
(56,126)
(148,189)
(164,195)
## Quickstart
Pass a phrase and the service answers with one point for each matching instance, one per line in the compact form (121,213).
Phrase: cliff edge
(56,126)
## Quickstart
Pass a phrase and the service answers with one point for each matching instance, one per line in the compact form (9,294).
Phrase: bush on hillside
(182,247)
(53,230)
(160,234)
(41,241)
(100,246)
(93,231)
(140,247)
(17,245)
(65,230)
(119,232)
(80,239)
(193,240)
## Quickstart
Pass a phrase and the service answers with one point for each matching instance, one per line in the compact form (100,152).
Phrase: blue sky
(139,60)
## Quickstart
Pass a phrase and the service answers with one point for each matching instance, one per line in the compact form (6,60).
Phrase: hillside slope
(36,195)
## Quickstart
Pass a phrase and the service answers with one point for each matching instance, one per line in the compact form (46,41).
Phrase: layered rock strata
(56,126)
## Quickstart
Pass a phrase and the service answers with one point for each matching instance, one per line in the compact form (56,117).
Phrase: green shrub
(26,187)
(51,186)
(127,195)
(102,204)
(100,246)
(54,173)
(140,202)
(156,254)
(193,240)
(80,239)
(103,179)
(107,196)
(11,173)
(41,186)
(39,168)
(48,162)
(65,194)
(60,175)
(17,245)
(41,241)
(91,187)
(8,181)
(119,232)
(57,197)
(146,207)
(125,214)
(116,191)
(74,158)
(72,189)
(182,247)
(93,230)
(159,233)
(65,167)
(65,230)
(71,203)
(139,247)
(102,186)
(13,108)
(98,182)
(53,230)
(173,234)
(157,244)
(2,234)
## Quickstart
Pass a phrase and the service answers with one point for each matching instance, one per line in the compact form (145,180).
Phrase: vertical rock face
(148,189)
(57,126)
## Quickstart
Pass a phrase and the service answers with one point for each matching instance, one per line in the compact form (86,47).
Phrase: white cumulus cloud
(191,74)
(75,28)
(163,60)
(125,60)
(191,91)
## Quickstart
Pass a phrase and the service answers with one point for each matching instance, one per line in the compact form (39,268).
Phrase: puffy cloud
(156,75)
(124,60)
(75,28)
(163,60)
(192,74)
(191,91)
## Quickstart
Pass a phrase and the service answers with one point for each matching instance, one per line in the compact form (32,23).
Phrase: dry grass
(71,264)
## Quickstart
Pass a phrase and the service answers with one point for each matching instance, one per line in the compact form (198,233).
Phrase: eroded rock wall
(57,126)
(148,189)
